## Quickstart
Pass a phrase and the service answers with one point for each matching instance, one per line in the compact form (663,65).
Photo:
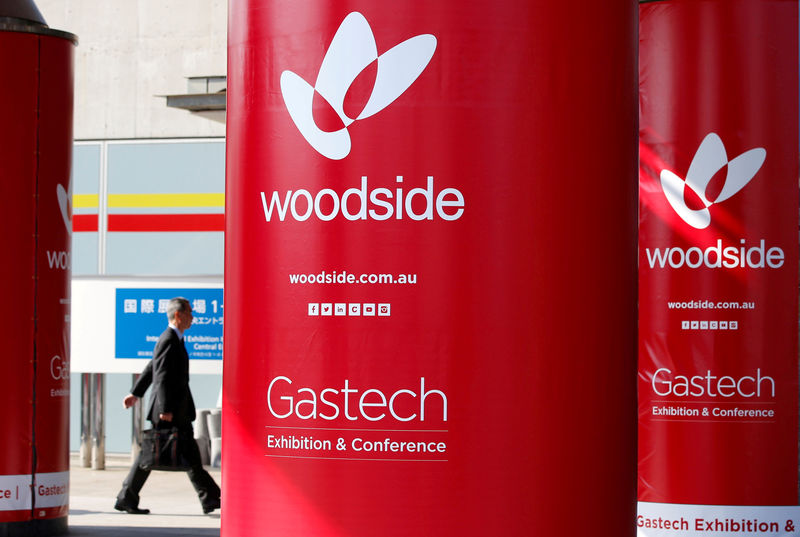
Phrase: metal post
(86,422)
(98,429)
(137,425)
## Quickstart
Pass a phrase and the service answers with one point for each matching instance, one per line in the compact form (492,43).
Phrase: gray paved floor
(174,507)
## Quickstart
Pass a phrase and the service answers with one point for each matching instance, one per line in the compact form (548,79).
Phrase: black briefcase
(163,449)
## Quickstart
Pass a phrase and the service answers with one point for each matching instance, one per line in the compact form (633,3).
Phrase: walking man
(171,405)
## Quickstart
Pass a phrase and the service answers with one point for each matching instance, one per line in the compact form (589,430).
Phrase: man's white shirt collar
(177,331)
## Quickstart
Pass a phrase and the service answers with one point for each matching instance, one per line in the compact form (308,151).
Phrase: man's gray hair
(176,304)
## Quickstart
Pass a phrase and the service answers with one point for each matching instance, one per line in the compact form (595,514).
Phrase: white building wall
(131,52)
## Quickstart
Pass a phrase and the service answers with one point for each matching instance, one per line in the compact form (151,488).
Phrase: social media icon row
(341,309)
(710,325)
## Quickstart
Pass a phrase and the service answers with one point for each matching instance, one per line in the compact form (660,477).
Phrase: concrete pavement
(174,507)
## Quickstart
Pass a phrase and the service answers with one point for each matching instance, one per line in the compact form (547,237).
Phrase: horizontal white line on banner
(686,520)
(51,489)
(352,459)
(15,492)
(358,430)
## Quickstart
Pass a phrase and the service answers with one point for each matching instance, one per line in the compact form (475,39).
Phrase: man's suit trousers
(204,484)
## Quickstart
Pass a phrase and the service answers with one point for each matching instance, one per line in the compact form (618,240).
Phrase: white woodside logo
(707,162)
(710,159)
(61,259)
(65,204)
(352,50)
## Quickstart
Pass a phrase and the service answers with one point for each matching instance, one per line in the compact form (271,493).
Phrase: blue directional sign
(141,316)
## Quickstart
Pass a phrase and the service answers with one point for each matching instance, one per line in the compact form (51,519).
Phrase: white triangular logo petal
(352,50)
(741,170)
(398,68)
(709,159)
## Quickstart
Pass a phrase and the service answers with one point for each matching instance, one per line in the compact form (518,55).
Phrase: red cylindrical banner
(35,155)
(423,337)
(718,282)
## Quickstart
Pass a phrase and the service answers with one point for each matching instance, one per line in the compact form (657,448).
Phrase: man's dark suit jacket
(168,372)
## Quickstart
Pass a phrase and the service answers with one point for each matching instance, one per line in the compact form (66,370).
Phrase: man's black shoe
(120,506)
(210,507)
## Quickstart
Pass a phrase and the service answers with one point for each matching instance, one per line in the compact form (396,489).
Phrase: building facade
(148,176)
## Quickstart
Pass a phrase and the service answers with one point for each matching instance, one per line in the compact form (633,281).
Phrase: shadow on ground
(106,531)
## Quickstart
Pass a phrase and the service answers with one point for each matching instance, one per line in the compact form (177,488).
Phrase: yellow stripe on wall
(85,201)
(167,200)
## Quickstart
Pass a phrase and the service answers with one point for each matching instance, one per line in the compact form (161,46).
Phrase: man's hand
(165,417)
(129,400)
